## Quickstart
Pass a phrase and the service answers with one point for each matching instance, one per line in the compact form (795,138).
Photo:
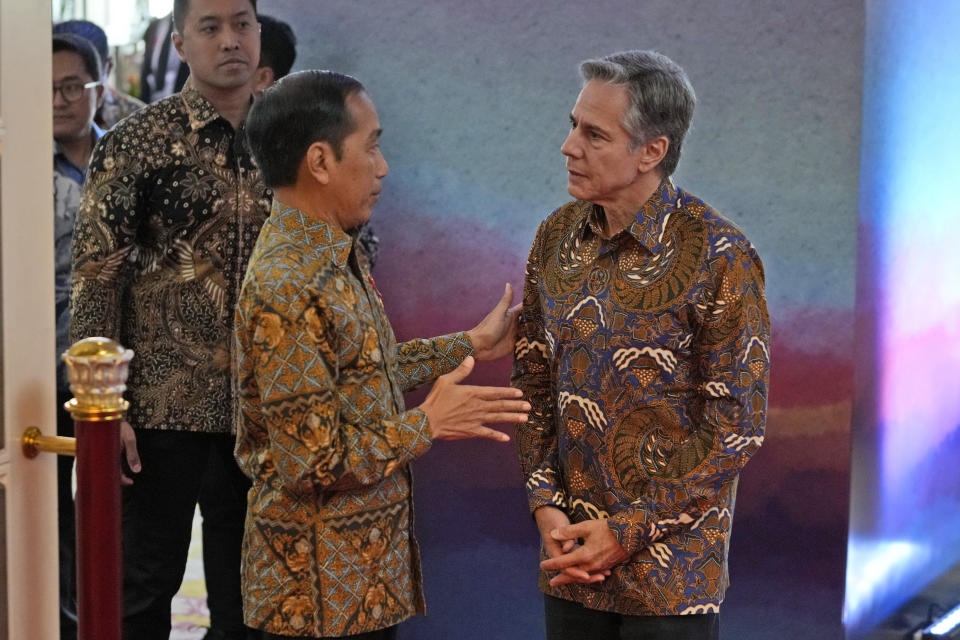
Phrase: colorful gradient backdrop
(474,98)
(906,480)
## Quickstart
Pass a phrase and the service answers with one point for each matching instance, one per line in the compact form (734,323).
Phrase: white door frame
(29,387)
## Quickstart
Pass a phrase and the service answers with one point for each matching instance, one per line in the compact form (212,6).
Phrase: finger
(125,480)
(129,443)
(563,578)
(551,548)
(505,406)
(515,310)
(460,373)
(490,434)
(506,416)
(568,545)
(507,297)
(578,556)
(496,393)
(572,531)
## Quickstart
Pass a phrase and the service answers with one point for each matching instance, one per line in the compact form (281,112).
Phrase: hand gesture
(598,552)
(458,411)
(496,334)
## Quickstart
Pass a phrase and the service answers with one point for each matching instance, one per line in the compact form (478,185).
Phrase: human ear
(651,153)
(262,78)
(178,44)
(318,162)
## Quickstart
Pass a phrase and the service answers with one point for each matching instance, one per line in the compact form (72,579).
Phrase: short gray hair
(661,97)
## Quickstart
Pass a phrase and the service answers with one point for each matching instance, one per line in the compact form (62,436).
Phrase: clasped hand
(583,552)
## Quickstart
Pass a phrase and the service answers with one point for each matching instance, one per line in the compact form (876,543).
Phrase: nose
(229,39)
(569,147)
(382,168)
(58,99)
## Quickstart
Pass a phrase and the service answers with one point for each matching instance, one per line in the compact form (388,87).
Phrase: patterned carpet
(190,614)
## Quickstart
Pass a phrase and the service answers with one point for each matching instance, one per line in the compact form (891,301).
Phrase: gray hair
(661,97)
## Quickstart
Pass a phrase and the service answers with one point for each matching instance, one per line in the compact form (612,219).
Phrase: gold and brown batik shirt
(646,360)
(322,431)
(170,211)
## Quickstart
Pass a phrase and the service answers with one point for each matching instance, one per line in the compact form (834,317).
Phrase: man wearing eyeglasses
(77,94)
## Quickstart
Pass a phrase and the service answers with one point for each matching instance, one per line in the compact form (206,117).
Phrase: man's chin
(575,191)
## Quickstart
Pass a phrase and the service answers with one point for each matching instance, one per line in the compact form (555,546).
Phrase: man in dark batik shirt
(644,352)
(171,209)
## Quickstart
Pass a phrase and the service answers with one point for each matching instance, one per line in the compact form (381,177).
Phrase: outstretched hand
(458,411)
(496,334)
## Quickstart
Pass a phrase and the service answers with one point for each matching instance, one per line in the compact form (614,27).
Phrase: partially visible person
(77,93)
(117,105)
(322,430)
(278,51)
(170,212)
(645,351)
(162,72)
(221,536)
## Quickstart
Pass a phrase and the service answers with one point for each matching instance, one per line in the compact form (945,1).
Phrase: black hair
(181,7)
(83,48)
(295,112)
(278,45)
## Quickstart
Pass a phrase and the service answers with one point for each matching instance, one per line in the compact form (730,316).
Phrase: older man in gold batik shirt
(323,431)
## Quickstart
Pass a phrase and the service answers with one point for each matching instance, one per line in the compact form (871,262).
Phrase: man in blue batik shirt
(644,353)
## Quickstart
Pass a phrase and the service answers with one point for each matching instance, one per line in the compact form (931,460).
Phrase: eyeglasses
(72,91)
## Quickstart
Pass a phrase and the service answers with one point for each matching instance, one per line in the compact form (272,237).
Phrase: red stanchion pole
(98,374)
(99,583)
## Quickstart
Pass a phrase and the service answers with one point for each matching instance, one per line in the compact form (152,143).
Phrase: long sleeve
(103,238)
(422,361)
(302,415)
(733,351)
(533,374)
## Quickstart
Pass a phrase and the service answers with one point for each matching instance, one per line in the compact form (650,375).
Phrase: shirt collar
(199,109)
(647,226)
(327,241)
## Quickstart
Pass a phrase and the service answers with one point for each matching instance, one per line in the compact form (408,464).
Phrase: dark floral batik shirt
(646,359)
(170,211)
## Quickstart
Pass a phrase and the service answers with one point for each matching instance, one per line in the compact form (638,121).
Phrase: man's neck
(77,150)
(621,213)
(231,104)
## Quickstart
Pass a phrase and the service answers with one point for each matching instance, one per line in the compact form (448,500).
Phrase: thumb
(506,299)
(459,374)
(566,532)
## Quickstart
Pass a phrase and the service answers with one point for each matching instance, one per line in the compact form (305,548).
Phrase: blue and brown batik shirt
(646,360)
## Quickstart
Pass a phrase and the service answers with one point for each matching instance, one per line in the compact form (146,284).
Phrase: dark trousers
(567,620)
(383,634)
(66,527)
(221,540)
(158,514)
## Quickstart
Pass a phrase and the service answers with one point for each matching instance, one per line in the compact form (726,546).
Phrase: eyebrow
(214,17)
(589,127)
(73,77)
